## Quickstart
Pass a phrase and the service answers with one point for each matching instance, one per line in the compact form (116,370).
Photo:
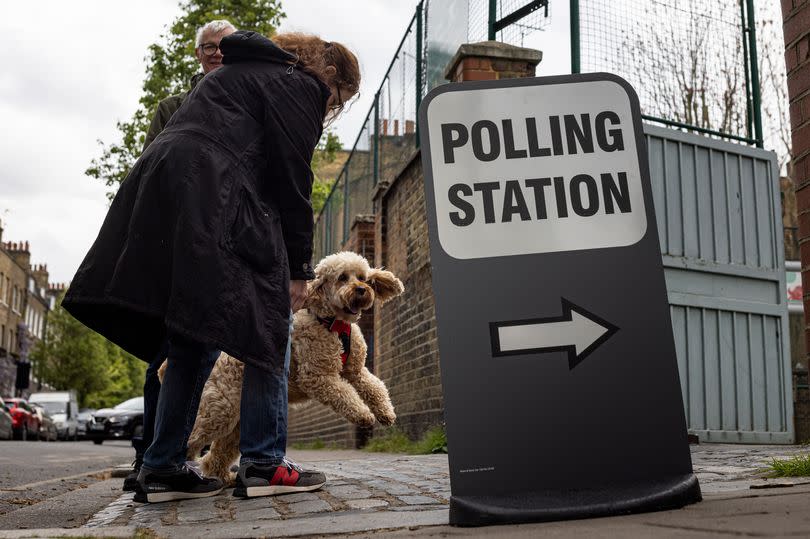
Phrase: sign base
(549,505)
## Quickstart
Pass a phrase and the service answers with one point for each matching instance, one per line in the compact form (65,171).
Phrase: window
(2,336)
(2,287)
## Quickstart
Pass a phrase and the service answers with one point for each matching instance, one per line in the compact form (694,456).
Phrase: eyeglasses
(209,49)
(340,100)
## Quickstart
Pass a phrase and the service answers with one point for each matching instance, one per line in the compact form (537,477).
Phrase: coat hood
(244,46)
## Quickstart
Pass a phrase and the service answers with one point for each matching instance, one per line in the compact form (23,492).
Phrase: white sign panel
(535,169)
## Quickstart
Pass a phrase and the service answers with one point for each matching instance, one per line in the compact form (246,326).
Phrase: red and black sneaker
(254,480)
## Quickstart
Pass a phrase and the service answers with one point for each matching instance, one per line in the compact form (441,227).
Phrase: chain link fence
(692,63)
(386,141)
(688,61)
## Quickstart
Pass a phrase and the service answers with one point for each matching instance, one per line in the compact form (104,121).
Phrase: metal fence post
(757,98)
(574,22)
(493,8)
(746,65)
(328,229)
(418,67)
(376,143)
(345,208)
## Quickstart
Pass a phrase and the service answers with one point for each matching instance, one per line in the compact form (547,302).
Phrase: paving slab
(371,494)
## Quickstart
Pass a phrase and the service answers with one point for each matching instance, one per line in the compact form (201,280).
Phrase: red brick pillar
(492,60)
(361,241)
(796,26)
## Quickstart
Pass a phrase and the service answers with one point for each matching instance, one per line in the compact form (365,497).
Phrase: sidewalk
(369,494)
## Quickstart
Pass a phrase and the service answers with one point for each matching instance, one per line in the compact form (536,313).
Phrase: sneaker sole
(157,497)
(131,486)
(272,490)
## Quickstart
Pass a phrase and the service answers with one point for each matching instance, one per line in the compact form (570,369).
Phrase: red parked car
(25,421)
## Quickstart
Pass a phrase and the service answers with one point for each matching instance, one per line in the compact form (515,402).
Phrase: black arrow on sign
(578,332)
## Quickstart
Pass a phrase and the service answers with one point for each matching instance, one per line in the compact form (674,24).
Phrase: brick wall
(796,29)
(407,357)
(796,26)
(313,421)
(402,333)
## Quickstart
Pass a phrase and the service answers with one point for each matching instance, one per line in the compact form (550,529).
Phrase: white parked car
(63,408)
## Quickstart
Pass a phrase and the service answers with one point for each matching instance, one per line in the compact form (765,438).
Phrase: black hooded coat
(215,217)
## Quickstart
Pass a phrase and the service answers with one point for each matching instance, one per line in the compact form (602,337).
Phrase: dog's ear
(385,284)
(314,291)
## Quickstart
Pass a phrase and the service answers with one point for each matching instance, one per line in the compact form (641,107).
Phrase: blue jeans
(263,428)
(189,365)
(151,392)
(263,412)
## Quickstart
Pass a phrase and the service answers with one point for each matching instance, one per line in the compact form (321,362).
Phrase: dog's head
(345,285)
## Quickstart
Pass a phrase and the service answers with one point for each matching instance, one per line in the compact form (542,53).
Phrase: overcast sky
(72,69)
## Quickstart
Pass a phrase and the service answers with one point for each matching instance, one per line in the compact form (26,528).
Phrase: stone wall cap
(492,49)
(362,218)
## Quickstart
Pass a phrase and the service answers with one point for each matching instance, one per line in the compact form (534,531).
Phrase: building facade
(25,300)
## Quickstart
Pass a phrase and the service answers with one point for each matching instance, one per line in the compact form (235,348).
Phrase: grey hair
(213,27)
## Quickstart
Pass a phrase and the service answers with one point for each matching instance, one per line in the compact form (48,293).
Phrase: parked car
(63,407)
(6,422)
(47,426)
(82,419)
(123,421)
(26,422)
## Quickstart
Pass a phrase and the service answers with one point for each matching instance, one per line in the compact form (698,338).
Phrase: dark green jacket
(165,109)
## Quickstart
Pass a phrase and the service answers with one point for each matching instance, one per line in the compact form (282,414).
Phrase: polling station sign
(559,373)
(509,174)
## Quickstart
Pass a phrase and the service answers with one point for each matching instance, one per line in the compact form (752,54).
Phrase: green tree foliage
(125,374)
(325,153)
(72,356)
(170,64)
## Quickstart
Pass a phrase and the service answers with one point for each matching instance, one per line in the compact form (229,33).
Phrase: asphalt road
(33,473)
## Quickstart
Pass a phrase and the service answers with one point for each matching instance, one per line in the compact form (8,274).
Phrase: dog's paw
(364,418)
(387,418)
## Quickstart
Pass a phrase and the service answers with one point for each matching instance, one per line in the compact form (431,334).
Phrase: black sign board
(558,363)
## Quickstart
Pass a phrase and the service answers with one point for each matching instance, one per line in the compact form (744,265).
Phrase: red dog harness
(344,331)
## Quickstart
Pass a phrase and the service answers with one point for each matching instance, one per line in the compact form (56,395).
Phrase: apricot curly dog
(327,363)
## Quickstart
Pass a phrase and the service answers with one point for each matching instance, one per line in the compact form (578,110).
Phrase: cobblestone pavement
(372,492)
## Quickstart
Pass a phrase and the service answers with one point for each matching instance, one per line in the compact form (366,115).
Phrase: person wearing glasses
(206,49)
(207,246)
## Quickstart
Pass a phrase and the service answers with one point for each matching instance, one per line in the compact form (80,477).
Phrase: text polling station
(518,173)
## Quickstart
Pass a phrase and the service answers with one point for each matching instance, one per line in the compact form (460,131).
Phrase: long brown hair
(315,55)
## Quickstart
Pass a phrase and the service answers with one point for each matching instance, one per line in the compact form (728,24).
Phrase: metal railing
(387,139)
(688,61)
(605,35)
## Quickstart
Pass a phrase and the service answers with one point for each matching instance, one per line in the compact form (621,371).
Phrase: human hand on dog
(298,293)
